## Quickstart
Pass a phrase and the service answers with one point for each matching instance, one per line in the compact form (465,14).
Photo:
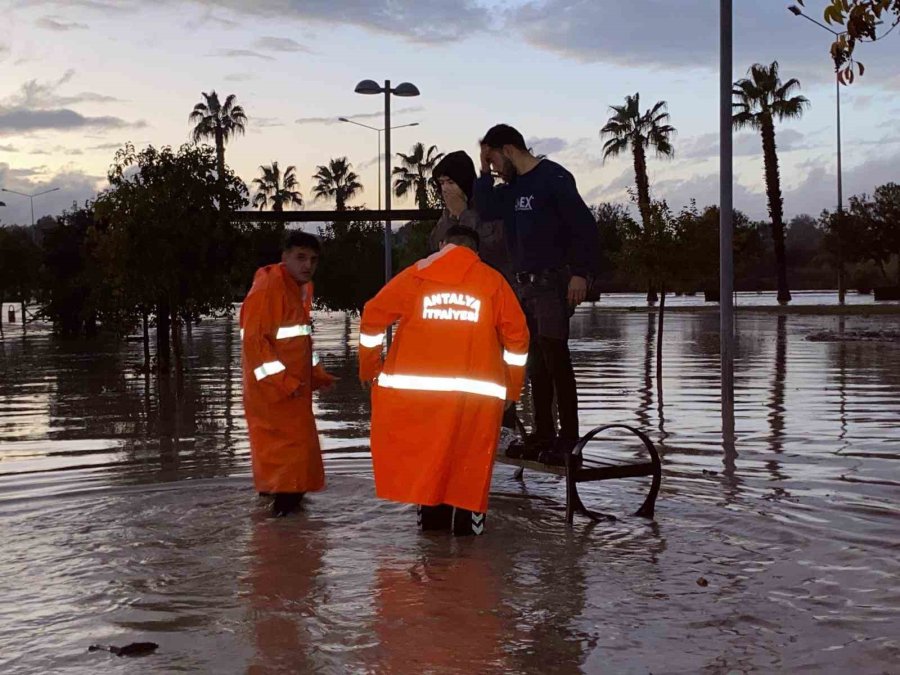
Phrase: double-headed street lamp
(404,89)
(31,197)
(796,11)
(360,124)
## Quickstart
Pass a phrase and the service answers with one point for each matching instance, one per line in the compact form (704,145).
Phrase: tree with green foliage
(277,189)
(74,290)
(168,243)
(219,121)
(758,101)
(20,261)
(629,128)
(352,269)
(863,21)
(874,224)
(414,174)
(337,181)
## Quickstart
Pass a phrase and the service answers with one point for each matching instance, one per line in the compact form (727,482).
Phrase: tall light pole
(31,197)
(842,290)
(360,124)
(726,251)
(403,89)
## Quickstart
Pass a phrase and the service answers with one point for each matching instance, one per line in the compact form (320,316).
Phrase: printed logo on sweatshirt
(524,203)
(451,307)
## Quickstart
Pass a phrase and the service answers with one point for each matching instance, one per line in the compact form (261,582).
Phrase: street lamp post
(360,124)
(726,215)
(842,290)
(31,197)
(403,89)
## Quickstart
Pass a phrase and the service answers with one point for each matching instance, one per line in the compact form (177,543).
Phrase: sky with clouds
(78,78)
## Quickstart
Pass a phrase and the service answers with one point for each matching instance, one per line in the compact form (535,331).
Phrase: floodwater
(127,515)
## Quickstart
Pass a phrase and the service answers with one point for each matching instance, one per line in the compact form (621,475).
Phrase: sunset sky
(80,77)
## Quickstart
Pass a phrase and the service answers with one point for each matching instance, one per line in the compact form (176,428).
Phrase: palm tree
(758,101)
(277,189)
(414,172)
(219,121)
(337,181)
(628,128)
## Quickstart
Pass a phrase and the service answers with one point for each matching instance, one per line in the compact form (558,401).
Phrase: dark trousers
(543,299)
(550,370)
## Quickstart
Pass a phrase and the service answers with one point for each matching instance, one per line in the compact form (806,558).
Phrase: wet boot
(285,503)
(432,518)
(556,454)
(530,448)
(467,523)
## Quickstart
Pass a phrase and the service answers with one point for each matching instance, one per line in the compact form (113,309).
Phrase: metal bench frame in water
(594,471)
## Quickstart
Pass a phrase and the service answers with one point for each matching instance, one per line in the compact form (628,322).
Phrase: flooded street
(128,514)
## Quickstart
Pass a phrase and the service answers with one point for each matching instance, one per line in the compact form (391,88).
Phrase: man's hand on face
(454,198)
(577,290)
(485,159)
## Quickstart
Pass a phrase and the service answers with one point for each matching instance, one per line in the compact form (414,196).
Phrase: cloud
(24,120)
(58,150)
(265,122)
(35,94)
(358,116)
(106,146)
(547,146)
(706,146)
(414,20)
(60,25)
(240,77)
(657,33)
(279,44)
(8,148)
(74,187)
(4,51)
(242,53)
(813,194)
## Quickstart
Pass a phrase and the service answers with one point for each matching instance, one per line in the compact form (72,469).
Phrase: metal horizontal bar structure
(581,472)
(334,216)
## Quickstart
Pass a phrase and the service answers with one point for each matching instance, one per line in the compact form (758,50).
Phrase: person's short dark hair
(463,236)
(503,134)
(301,239)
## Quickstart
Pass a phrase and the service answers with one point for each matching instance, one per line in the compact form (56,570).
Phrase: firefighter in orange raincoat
(458,357)
(280,373)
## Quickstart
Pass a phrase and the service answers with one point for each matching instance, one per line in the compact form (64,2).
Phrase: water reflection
(102,538)
(285,573)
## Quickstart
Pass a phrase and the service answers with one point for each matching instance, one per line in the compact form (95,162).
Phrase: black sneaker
(285,503)
(467,523)
(556,456)
(431,518)
(531,447)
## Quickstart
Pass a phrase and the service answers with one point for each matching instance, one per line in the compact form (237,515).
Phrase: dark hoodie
(459,167)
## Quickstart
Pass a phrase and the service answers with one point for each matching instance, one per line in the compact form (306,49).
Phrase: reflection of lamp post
(360,124)
(842,291)
(31,197)
(403,89)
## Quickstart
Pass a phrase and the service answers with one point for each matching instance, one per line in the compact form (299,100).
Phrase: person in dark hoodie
(553,244)
(455,174)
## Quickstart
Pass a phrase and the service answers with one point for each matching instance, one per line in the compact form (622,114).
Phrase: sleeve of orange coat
(513,331)
(263,313)
(379,313)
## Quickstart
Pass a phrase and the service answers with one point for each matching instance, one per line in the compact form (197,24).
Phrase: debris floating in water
(132,649)
(702,582)
(854,336)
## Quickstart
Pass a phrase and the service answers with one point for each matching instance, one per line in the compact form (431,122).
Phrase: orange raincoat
(280,374)
(459,353)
